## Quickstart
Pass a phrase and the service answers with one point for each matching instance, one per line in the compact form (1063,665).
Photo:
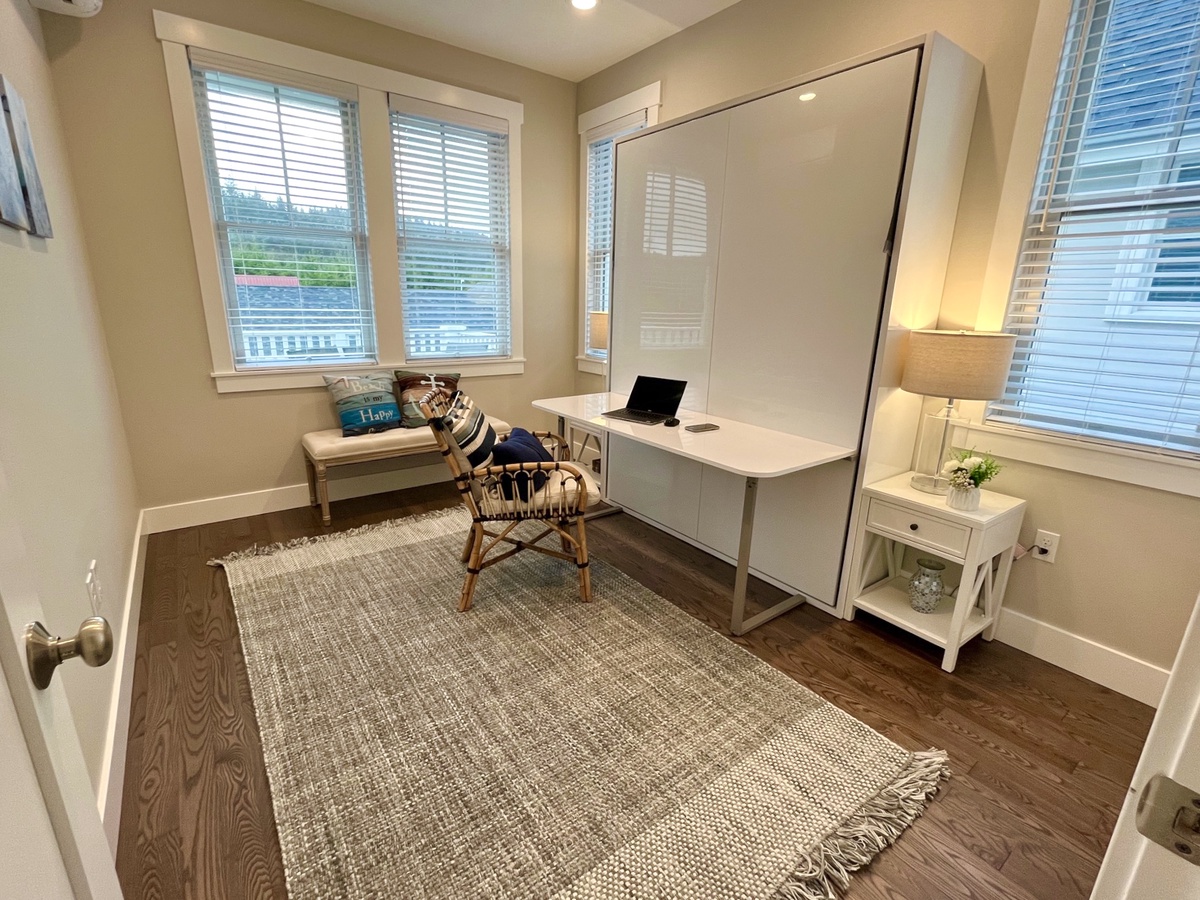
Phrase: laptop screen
(656,395)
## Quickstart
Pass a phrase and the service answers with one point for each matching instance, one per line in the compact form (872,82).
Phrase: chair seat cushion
(555,479)
(330,444)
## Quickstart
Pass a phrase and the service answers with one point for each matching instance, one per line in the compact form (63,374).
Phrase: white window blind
(452,214)
(601,172)
(1106,296)
(285,183)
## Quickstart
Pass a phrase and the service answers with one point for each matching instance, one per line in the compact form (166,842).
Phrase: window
(451,181)
(1106,296)
(284,177)
(343,215)
(600,129)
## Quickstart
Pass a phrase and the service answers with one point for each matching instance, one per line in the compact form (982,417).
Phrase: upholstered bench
(323,449)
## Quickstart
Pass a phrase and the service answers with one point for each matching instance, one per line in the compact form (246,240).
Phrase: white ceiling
(547,35)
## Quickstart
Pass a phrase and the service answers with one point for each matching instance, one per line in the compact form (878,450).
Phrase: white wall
(62,440)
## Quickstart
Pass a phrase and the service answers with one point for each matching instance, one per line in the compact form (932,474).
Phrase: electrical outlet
(1045,546)
(92,581)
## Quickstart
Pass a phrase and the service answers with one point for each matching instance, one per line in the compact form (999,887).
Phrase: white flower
(950,466)
(972,461)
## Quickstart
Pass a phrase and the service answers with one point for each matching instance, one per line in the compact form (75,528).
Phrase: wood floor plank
(1039,756)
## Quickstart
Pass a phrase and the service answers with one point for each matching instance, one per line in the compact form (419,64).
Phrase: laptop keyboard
(636,415)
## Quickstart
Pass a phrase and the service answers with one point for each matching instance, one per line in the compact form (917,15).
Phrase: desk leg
(738,624)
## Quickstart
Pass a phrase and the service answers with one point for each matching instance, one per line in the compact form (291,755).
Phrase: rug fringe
(824,873)
(280,546)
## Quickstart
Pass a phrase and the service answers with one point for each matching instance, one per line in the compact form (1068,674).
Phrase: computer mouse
(671,422)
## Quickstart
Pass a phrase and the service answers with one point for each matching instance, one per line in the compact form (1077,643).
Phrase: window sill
(1165,473)
(591,365)
(283,379)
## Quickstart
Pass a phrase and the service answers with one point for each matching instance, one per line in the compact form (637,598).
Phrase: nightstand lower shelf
(888,600)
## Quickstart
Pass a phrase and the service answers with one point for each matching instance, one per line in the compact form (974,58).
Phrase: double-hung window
(1106,296)
(344,216)
(284,172)
(600,130)
(452,221)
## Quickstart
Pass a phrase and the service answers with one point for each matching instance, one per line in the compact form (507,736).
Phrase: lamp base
(930,484)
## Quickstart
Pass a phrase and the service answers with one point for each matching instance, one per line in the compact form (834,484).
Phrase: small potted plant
(966,471)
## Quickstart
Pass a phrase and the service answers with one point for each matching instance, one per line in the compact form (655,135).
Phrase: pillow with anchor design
(412,386)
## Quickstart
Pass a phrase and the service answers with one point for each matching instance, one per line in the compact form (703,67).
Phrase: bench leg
(323,491)
(312,481)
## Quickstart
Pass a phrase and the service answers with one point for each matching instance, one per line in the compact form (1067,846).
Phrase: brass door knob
(93,644)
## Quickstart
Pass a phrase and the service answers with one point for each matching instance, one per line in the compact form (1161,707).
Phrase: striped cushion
(471,430)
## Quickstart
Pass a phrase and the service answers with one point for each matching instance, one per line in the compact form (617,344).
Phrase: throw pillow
(365,403)
(520,447)
(471,430)
(411,387)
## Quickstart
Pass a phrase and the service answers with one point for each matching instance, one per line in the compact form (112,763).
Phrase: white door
(1135,868)
(52,842)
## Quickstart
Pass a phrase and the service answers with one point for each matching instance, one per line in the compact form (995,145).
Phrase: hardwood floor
(1041,758)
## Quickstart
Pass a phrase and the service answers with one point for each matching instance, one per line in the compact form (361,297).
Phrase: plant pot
(925,589)
(966,499)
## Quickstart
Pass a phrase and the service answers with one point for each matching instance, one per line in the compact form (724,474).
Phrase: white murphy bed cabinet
(775,252)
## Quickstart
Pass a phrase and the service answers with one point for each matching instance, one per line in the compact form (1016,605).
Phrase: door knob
(93,644)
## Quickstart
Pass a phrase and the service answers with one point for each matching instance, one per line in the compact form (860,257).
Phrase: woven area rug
(538,746)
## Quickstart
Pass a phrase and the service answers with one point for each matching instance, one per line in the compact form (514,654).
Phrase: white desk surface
(747,450)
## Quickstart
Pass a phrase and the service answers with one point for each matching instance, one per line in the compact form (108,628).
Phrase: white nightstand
(896,516)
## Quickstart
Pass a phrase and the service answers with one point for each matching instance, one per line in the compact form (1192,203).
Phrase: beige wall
(62,443)
(1124,576)
(188,442)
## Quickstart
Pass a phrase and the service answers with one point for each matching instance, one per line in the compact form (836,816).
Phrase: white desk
(747,450)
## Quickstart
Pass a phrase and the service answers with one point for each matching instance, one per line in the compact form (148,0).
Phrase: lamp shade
(598,331)
(964,365)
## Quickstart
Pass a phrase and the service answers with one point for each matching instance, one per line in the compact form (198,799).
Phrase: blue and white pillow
(365,403)
(471,430)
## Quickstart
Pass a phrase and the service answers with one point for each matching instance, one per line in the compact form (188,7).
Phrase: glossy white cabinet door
(669,192)
(662,486)
(799,524)
(810,191)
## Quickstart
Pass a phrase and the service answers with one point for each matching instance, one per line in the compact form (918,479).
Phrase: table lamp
(598,330)
(957,365)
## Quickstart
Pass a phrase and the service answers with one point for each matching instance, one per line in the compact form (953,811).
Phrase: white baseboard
(292,496)
(112,769)
(1096,662)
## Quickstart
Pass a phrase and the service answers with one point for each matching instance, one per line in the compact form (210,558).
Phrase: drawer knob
(913,526)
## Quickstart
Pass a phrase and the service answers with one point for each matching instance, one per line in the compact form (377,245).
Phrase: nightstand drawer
(944,536)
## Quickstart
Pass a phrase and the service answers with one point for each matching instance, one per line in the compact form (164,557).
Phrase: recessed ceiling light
(583,4)
(808,96)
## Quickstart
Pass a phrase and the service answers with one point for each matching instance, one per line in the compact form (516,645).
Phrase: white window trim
(1141,467)
(374,84)
(648,98)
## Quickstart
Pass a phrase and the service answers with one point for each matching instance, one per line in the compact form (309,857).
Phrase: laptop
(652,401)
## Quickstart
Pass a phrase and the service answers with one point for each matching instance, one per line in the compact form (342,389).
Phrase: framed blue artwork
(20,141)
(12,199)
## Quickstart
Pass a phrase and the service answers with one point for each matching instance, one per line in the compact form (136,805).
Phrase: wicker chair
(559,504)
